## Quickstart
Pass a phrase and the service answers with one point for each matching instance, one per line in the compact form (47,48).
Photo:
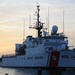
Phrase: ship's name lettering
(73,57)
(39,57)
(29,57)
(65,56)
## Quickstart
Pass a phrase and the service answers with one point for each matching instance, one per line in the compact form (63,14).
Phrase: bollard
(39,71)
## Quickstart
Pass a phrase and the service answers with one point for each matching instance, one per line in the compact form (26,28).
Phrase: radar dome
(54,30)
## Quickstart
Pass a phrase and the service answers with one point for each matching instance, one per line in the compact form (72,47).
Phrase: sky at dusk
(13,14)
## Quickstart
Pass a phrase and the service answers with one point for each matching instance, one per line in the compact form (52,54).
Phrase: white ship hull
(51,59)
(26,61)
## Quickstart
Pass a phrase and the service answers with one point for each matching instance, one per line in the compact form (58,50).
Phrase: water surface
(21,71)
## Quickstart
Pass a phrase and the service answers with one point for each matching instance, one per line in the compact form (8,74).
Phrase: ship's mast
(39,25)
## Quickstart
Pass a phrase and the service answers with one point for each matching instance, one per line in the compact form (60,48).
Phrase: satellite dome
(54,30)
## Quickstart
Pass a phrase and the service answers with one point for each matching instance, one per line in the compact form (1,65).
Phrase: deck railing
(9,55)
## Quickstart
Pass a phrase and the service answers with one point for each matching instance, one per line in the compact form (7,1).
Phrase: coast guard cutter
(42,51)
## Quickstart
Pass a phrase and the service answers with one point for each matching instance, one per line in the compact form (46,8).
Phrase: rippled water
(24,71)
(30,71)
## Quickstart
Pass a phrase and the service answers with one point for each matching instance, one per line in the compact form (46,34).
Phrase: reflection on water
(23,71)
(30,71)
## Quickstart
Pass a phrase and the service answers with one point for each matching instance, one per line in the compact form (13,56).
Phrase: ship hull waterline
(51,59)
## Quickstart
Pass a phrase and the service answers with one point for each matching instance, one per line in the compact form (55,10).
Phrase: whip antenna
(63,21)
(48,20)
(24,31)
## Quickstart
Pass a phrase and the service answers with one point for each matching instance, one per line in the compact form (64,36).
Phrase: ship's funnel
(54,30)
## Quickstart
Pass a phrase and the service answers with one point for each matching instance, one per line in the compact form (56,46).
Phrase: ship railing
(9,55)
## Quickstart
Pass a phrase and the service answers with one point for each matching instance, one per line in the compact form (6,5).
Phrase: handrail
(9,55)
